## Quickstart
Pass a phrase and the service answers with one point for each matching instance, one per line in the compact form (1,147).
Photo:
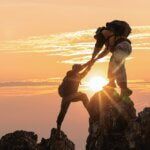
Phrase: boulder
(19,140)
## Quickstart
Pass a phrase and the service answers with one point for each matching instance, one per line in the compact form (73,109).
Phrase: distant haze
(23,18)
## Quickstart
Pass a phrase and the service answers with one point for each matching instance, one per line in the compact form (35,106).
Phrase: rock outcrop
(19,140)
(23,140)
(113,124)
(57,141)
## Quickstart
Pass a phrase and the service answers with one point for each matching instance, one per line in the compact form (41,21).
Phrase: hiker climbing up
(68,89)
(114,37)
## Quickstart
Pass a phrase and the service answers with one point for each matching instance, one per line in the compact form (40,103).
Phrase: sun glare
(96,83)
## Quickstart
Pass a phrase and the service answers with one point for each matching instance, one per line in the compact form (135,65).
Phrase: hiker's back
(69,84)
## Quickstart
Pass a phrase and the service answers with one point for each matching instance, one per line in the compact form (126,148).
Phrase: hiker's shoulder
(71,73)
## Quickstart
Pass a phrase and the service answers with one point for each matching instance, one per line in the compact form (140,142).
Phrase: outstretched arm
(100,40)
(85,72)
(96,51)
(86,64)
(103,53)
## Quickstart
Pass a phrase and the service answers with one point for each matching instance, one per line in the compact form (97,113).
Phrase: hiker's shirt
(73,82)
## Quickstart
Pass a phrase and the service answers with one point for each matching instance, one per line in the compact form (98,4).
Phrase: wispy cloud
(35,82)
(140,85)
(74,44)
(50,85)
(29,87)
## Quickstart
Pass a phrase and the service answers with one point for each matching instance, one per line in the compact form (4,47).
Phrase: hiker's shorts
(116,70)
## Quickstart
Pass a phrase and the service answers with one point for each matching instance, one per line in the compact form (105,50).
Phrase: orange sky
(41,39)
(22,18)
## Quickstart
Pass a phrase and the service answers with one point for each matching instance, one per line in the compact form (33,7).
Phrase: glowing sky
(33,67)
(41,39)
(22,18)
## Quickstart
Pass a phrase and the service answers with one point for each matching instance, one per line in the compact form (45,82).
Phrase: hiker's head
(76,67)
(102,36)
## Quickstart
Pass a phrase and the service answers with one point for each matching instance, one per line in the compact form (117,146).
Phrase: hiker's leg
(111,75)
(122,81)
(120,73)
(82,97)
(121,77)
(117,65)
(79,96)
(62,113)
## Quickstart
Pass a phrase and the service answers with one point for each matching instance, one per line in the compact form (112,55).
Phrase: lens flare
(96,83)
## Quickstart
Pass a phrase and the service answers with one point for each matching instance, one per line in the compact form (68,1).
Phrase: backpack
(62,88)
(120,28)
(69,84)
(61,91)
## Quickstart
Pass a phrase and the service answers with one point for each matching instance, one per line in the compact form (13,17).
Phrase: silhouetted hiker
(114,37)
(68,89)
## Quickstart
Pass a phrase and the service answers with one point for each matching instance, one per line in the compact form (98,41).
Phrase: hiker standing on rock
(68,89)
(114,37)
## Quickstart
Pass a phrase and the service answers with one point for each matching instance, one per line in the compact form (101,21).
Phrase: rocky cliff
(23,140)
(113,124)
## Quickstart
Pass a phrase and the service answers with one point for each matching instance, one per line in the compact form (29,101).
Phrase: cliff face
(113,124)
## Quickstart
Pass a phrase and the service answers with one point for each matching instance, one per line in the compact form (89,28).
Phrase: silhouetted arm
(100,40)
(96,51)
(85,72)
(103,53)
(85,65)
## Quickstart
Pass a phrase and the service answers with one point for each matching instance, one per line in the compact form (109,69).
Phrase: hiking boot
(126,92)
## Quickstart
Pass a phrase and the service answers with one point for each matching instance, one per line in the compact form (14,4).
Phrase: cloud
(78,44)
(50,86)
(29,87)
(84,59)
(12,84)
(46,82)
(140,85)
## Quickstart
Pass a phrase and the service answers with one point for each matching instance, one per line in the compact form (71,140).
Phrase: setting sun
(96,83)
